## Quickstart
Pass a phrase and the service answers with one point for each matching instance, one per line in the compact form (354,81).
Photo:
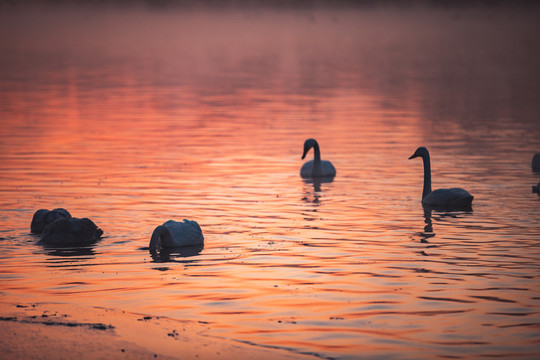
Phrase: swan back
(316,168)
(453,198)
(325,169)
(44,217)
(177,233)
(71,231)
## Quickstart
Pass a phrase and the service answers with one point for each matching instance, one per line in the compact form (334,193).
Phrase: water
(132,116)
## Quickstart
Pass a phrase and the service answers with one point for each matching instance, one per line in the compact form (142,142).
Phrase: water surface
(132,117)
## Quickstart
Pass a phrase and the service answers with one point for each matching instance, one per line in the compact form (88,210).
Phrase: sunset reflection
(134,115)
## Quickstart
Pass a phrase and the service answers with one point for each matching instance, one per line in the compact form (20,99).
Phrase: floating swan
(454,198)
(316,168)
(176,233)
(71,231)
(536,162)
(44,217)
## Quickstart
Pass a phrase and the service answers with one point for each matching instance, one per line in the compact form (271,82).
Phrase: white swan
(44,217)
(454,198)
(316,167)
(71,231)
(536,162)
(176,233)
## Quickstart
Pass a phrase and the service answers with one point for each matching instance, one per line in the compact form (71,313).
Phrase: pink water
(132,117)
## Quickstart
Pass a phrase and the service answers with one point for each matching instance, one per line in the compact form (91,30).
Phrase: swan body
(44,217)
(316,168)
(71,231)
(536,162)
(449,199)
(177,233)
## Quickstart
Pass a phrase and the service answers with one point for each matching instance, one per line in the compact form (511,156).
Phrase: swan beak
(305,153)
(413,156)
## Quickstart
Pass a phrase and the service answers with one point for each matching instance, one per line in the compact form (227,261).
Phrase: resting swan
(71,231)
(454,198)
(44,217)
(316,167)
(176,233)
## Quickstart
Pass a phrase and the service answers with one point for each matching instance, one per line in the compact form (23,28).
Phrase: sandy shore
(60,331)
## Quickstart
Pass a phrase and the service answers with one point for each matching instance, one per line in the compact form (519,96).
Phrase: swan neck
(158,236)
(317,153)
(427,175)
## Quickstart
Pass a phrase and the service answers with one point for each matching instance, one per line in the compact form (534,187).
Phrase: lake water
(133,116)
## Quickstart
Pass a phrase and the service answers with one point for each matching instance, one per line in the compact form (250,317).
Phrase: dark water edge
(283,4)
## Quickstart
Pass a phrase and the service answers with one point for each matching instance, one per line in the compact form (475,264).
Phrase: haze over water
(132,116)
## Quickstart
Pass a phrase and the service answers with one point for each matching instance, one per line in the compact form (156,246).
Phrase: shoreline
(64,331)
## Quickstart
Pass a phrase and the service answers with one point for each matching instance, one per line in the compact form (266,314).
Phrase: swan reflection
(69,251)
(69,257)
(428,228)
(164,255)
(313,196)
(439,216)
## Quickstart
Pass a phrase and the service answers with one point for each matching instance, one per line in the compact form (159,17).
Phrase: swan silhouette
(536,162)
(44,217)
(443,199)
(71,231)
(316,168)
(176,233)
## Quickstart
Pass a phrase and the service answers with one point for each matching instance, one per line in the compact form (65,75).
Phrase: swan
(316,168)
(44,217)
(454,198)
(536,162)
(177,233)
(71,231)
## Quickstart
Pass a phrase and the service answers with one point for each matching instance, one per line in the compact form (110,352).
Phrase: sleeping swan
(71,231)
(316,168)
(176,233)
(44,217)
(454,198)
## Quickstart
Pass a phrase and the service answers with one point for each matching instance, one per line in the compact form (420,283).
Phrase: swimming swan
(176,233)
(71,231)
(316,167)
(454,198)
(44,217)
(536,162)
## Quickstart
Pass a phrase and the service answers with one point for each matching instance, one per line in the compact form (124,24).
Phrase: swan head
(420,152)
(308,144)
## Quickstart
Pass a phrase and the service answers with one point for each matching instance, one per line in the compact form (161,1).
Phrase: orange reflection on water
(131,137)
